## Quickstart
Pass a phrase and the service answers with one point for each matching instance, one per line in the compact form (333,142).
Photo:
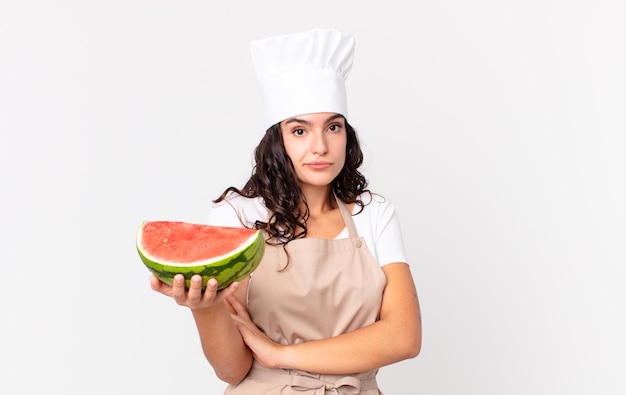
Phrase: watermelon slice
(226,254)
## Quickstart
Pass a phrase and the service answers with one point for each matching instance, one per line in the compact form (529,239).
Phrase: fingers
(237,307)
(229,291)
(159,286)
(155,283)
(178,289)
(211,289)
(193,296)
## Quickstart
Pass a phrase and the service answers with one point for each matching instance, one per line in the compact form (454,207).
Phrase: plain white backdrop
(496,127)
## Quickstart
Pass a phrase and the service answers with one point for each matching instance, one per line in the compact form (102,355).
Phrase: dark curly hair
(274,179)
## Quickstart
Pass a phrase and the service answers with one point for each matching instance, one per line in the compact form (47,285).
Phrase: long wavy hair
(274,180)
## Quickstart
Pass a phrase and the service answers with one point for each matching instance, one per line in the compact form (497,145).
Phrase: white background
(496,127)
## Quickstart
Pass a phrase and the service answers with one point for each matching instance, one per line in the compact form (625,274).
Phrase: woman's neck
(320,200)
(324,220)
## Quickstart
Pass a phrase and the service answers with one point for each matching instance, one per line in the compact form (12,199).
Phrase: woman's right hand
(194,298)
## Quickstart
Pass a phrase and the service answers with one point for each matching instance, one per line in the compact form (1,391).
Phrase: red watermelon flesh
(181,242)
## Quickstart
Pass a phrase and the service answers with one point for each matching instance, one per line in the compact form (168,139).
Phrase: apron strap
(347,217)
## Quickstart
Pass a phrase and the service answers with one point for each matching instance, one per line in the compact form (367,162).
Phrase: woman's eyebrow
(297,120)
(333,117)
(304,121)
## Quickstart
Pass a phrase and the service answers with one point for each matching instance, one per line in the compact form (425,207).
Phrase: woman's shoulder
(379,225)
(237,210)
(373,203)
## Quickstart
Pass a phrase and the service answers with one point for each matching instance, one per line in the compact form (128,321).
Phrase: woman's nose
(319,145)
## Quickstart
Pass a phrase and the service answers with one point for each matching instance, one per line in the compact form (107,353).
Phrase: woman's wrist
(287,357)
(211,312)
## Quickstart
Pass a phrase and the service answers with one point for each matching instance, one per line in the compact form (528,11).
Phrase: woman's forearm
(395,337)
(364,349)
(222,344)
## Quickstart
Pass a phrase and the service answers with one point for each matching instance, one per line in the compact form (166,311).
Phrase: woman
(333,299)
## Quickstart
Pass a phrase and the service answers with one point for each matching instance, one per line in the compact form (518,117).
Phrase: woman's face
(316,145)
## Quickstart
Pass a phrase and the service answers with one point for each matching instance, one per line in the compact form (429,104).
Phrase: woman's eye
(334,128)
(298,132)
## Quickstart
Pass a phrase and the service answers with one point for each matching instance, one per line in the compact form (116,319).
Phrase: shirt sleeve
(236,211)
(222,214)
(386,232)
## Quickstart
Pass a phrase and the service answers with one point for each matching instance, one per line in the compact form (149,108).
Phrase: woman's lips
(319,165)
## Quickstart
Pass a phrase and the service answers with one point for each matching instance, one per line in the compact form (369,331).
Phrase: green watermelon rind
(227,270)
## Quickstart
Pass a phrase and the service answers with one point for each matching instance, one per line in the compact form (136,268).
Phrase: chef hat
(303,73)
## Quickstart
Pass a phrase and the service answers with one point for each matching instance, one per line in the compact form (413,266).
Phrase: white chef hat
(303,73)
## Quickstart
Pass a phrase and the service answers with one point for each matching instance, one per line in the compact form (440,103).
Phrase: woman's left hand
(265,350)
